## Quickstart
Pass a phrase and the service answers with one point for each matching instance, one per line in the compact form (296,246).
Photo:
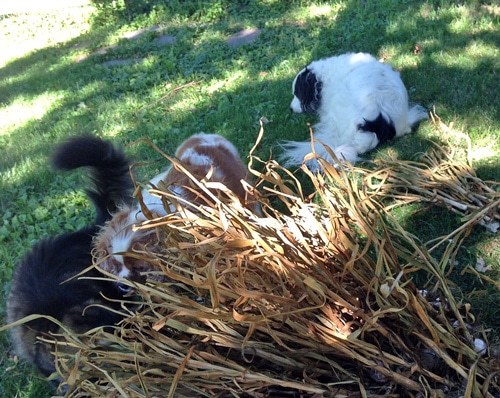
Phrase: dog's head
(306,92)
(123,249)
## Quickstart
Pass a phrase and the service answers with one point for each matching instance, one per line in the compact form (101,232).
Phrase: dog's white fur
(205,156)
(355,88)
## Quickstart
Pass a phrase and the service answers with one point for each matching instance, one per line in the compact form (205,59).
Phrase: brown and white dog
(121,246)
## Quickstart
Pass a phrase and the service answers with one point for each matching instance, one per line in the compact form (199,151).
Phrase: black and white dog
(360,102)
(44,282)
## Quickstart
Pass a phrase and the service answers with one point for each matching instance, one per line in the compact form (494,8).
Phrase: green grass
(52,87)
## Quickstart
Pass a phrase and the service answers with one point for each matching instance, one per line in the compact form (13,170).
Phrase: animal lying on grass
(361,103)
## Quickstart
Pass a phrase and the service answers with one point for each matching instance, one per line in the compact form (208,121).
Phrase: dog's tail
(111,185)
(417,113)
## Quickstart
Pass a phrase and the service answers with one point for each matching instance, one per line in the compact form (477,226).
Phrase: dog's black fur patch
(44,283)
(111,184)
(41,286)
(308,90)
(385,130)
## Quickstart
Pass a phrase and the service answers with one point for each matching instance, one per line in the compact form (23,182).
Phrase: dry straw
(439,178)
(314,299)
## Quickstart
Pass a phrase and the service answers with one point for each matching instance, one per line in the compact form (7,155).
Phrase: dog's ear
(318,86)
(312,92)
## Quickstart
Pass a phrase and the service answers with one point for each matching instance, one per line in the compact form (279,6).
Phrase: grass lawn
(89,69)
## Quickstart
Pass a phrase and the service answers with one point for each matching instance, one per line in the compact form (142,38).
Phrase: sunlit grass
(28,32)
(23,110)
